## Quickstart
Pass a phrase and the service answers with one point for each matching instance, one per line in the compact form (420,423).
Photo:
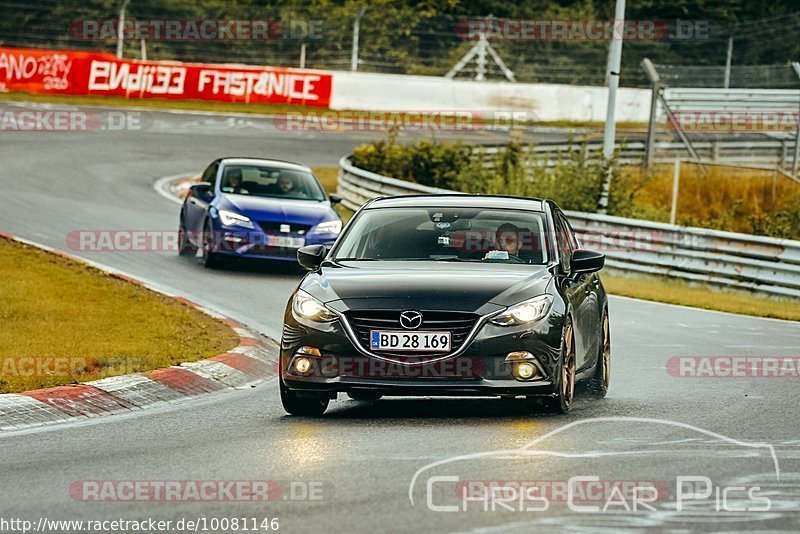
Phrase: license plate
(285,241)
(409,341)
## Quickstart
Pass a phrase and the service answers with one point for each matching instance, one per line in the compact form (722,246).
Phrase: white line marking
(161,186)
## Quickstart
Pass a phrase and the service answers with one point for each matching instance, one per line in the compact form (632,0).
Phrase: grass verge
(65,322)
(672,291)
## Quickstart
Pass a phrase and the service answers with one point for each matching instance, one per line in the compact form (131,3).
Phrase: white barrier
(549,102)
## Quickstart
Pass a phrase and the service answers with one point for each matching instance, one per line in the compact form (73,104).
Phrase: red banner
(90,73)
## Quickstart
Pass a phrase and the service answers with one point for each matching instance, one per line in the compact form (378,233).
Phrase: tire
(563,399)
(598,384)
(364,396)
(185,246)
(295,405)
(208,258)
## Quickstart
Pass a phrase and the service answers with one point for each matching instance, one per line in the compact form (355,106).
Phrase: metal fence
(756,263)
(758,153)
(398,37)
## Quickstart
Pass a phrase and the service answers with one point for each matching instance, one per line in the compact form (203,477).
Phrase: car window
(566,243)
(571,235)
(262,181)
(446,234)
(210,174)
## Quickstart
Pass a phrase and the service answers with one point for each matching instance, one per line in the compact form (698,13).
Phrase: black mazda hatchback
(447,295)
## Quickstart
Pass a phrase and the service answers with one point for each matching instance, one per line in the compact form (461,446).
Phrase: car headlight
(526,311)
(309,307)
(330,227)
(230,218)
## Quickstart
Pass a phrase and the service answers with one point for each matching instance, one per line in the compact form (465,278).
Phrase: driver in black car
(508,239)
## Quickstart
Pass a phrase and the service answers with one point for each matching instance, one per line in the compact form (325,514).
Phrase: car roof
(458,201)
(262,161)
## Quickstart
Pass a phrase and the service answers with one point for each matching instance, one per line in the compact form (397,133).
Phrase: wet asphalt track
(362,456)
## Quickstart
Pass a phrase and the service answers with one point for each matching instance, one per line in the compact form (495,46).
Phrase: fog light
(302,365)
(525,370)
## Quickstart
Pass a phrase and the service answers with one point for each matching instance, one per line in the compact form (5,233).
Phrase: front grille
(272,252)
(271,227)
(459,324)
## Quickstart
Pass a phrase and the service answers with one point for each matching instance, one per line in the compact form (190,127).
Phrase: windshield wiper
(446,258)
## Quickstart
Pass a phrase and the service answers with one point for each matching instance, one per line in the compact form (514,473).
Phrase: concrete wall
(549,102)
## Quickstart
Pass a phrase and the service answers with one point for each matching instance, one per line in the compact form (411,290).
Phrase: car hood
(278,209)
(426,285)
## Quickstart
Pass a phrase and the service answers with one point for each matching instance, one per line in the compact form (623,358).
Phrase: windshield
(255,180)
(439,234)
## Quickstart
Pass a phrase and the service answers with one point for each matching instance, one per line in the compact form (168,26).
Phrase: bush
(574,183)
(424,162)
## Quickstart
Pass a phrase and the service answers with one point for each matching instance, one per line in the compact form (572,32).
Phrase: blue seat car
(256,208)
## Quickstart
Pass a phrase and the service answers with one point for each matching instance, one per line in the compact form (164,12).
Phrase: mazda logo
(410,320)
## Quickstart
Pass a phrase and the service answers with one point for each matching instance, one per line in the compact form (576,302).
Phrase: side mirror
(587,261)
(201,190)
(311,256)
(335,199)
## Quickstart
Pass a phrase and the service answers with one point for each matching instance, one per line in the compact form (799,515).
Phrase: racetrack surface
(364,456)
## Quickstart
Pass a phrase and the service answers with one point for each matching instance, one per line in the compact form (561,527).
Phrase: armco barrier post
(676,177)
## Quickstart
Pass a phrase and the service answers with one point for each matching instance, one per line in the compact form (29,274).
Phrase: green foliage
(425,162)
(573,182)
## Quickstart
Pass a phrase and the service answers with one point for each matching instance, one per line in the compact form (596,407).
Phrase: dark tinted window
(446,234)
(210,173)
(262,181)
(565,240)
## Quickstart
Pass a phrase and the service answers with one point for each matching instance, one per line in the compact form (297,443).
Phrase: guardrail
(769,153)
(737,100)
(761,264)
